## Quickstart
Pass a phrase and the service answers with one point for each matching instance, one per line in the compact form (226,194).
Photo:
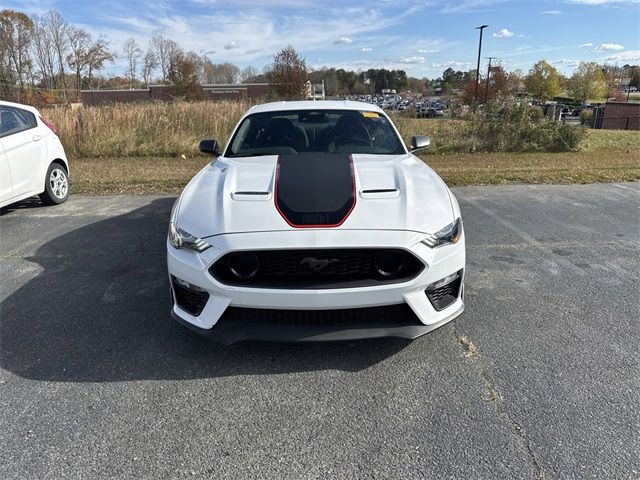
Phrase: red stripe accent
(353,195)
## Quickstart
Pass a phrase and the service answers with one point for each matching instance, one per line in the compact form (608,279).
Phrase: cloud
(231,45)
(585,45)
(365,49)
(551,12)
(469,6)
(600,2)
(504,33)
(343,41)
(628,56)
(565,62)
(411,60)
(428,50)
(608,46)
(452,64)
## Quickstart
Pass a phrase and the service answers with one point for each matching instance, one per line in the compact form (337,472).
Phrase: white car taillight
(49,125)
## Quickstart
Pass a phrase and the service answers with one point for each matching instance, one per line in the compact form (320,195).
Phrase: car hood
(236,195)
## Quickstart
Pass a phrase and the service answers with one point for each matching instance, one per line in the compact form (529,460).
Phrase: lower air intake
(387,316)
(446,295)
(189,300)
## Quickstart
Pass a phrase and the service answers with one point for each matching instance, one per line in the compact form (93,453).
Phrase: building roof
(315,105)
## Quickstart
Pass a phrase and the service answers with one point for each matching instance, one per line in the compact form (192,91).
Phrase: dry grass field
(142,175)
(152,148)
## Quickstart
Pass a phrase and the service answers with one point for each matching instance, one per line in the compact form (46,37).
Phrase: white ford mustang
(315,223)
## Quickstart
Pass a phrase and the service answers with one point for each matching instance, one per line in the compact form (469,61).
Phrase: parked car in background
(429,112)
(32,159)
(315,223)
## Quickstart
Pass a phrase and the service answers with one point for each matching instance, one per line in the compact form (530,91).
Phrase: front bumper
(193,268)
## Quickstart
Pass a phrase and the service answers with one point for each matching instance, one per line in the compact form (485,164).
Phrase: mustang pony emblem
(318,264)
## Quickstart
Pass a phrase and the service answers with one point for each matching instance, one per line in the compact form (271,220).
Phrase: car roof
(19,105)
(315,105)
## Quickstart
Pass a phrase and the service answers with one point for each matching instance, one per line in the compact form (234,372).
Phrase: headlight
(180,238)
(449,234)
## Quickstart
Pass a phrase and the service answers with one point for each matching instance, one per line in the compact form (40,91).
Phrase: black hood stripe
(315,190)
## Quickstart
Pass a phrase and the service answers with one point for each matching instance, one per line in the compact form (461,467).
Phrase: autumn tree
(288,74)
(588,81)
(183,76)
(635,77)
(16,31)
(543,81)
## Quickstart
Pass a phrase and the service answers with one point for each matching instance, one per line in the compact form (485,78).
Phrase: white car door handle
(35,138)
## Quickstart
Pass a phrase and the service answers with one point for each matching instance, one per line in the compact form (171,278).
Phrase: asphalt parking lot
(97,381)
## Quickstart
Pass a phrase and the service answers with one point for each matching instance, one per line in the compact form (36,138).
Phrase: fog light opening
(244,265)
(190,286)
(444,281)
(389,263)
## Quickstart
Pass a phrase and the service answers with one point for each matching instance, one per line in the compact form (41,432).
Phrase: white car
(315,223)
(32,159)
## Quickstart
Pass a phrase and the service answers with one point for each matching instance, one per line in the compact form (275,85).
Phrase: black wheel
(56,185)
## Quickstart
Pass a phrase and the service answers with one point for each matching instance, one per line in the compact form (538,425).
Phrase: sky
(421,37)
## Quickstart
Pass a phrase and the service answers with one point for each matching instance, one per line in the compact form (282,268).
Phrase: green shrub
(515,126)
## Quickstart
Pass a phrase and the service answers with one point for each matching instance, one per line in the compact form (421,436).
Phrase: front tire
(56,185)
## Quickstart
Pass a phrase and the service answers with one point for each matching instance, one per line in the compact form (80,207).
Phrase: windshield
(314,131)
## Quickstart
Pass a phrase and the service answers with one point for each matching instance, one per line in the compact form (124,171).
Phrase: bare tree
(167,52)
(58,34)
(16,30)
(80,42)
(133,53)
(247,73)
(44,53)
(219,72)
(97,56)
(149,64)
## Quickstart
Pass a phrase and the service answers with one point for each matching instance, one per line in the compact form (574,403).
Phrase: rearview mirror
(418,142)
(209,146)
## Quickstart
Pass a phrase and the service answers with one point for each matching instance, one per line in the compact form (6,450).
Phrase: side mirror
(418,142)
(209,146)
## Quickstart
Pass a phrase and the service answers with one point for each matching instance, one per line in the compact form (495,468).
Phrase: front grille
(318,269)
(190,300)
(446,295)
(387,316)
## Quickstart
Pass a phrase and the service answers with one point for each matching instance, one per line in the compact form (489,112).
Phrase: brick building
(621,116)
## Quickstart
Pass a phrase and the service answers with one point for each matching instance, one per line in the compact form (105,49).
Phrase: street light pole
(486,88)
(481,28)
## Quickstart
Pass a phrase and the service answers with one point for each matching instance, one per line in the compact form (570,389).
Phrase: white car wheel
(56,188)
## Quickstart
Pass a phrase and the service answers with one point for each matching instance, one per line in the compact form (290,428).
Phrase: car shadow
(27,203)
(98,311)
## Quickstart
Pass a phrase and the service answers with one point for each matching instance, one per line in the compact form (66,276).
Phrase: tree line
(47,56)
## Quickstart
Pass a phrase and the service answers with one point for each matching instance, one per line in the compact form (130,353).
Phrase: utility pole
(486,89)
(481,28)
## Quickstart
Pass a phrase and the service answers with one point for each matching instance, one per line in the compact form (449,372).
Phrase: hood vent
(375,193)
(251,196)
